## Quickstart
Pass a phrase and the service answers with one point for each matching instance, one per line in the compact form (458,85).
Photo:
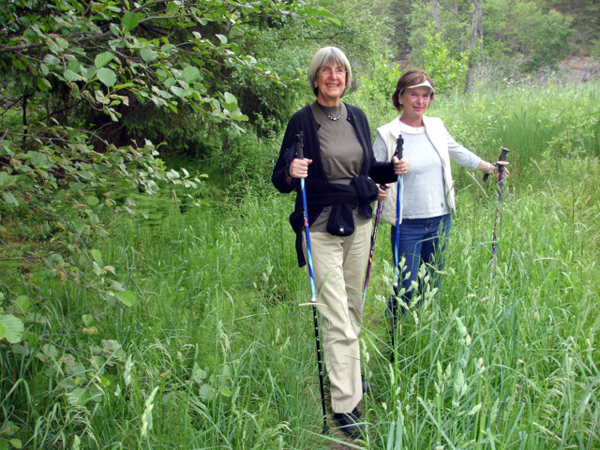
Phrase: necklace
(329,116)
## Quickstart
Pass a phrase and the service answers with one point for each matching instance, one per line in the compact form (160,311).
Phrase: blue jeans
(419,243)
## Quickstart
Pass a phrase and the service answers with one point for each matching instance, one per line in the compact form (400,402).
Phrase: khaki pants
(339,265)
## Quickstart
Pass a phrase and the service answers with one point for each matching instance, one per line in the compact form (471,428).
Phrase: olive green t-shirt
(341,154)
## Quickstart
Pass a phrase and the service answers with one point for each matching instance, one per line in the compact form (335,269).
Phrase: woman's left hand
(490,169)
(505,169)
(400,165)
(382,194)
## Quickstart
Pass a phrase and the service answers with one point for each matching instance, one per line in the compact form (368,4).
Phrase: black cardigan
(304,121)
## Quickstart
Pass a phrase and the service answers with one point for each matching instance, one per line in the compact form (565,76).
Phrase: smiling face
(330,82)
(415,102)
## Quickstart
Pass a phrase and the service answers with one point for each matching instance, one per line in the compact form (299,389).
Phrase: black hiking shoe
(350,423)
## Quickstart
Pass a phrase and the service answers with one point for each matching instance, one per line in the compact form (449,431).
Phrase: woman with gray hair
(340,175)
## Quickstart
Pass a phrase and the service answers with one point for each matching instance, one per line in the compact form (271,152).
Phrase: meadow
(218,351)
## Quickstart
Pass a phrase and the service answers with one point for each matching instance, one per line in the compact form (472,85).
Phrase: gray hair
(324,57)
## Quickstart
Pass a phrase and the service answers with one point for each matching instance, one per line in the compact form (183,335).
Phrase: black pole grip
(500,167)
(299,143)
(399,146)
(502,157)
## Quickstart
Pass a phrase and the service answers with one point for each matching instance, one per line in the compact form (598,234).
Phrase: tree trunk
(436,16)
(476,32)
(459,22)
(475,24)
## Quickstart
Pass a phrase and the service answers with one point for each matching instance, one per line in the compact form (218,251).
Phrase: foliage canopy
(90,92)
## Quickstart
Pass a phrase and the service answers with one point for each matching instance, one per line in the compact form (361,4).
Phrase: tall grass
(218,352)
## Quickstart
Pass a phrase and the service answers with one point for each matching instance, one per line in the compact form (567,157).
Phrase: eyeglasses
(328,71)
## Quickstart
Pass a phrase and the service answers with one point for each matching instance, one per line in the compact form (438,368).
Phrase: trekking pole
(400,144)
(300,154)
(373,238)
(500,167)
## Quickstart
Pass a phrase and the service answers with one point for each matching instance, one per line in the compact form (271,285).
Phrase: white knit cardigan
(445,146)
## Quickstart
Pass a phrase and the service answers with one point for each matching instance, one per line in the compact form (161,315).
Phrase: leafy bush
(447,72)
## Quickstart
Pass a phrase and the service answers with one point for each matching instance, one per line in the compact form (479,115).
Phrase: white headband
(424,83)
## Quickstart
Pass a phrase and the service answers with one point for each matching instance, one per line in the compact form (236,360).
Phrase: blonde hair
(324,57)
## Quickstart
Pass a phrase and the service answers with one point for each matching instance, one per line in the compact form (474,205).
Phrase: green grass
(217,351)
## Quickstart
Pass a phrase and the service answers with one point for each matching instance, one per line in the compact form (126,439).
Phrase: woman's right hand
(299,168)
(400,165)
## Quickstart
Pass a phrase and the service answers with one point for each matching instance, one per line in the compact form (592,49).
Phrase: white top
(436,137)
(423,184)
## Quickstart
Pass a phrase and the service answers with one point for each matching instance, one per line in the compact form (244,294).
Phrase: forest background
(149,295)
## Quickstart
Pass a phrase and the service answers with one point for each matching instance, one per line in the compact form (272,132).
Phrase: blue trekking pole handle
(398,153)
(399,150)
(313,291)
(300,155)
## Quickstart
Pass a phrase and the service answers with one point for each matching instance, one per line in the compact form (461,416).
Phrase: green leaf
(10,198)
(178,91)
(206,392)
(51,59)
(88,319)
(100,97)
(240,117)
(93,201)
(62,43)
(103,59)
(107,76)
(16,443)
(76,186)
(230,102)
(6,179)
(23,303)
(148,54)
(191,73)
(72,76)
(130,20)
(198,374)
(97,255)
(230,98)
(43,85)
(78,396)
(127,297)
(50,351)
(225,392)
(18,64)
(40,160)
(172,8)
(88,72)
(13,328)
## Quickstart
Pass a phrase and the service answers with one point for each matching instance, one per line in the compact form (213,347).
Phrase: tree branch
(105,35)
(17,48)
